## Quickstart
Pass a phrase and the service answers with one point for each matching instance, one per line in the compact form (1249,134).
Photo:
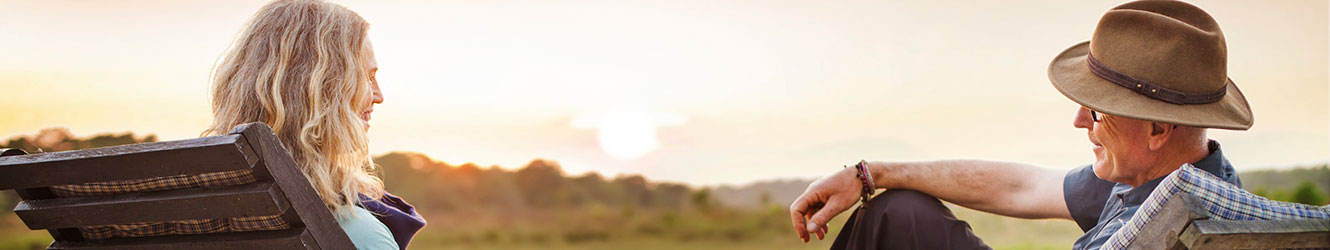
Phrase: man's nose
(1083,119)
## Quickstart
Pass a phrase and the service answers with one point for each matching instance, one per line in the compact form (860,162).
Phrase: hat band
(1154,91)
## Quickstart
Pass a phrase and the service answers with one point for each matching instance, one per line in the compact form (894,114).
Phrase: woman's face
(377,95)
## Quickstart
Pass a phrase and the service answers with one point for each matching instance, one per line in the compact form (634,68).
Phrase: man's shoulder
(1085,195)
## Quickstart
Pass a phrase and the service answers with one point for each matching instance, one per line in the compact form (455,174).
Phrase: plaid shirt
(1223,200)
(1102,207)
(201,226)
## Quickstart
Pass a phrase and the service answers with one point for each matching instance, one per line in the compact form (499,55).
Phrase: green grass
(644,243)
(1012,233)
(588,229)
(15,236)
(768,229)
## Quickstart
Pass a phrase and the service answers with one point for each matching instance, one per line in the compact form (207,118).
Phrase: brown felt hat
(1154,60)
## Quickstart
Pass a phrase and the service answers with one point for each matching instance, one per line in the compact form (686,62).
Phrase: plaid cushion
(230,178)
(253,223)
(201,226)
(1223,200)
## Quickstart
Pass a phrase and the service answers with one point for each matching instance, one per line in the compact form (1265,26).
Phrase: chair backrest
(1192,209)
(1184,223)
(278,189)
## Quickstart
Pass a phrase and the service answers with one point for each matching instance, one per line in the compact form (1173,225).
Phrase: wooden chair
(1184,224)
(279,190)
(1193,209)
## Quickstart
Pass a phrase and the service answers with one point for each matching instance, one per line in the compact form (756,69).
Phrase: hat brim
(1071,75)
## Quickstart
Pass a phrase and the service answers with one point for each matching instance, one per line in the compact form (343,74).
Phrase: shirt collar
(1215,163)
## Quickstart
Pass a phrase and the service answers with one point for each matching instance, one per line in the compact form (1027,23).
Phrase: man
(1150,81)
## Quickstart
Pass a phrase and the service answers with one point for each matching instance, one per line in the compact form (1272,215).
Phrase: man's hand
(824,199)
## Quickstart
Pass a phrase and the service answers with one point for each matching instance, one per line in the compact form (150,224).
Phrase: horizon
(699,92)
(555,163)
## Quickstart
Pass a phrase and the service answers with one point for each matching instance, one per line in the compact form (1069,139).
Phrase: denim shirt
(1101,207)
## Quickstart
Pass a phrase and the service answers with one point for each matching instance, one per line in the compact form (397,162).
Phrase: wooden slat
(254,199)
(1163,230)
(62,234)
(295,238)
(1257,234)
(136,161)
(284,171)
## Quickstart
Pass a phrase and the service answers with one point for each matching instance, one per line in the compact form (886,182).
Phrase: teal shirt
(365,231)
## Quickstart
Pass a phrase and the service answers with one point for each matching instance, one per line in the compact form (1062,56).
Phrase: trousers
(905,219)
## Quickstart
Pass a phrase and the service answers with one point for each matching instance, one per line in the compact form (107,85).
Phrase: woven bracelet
(866,179)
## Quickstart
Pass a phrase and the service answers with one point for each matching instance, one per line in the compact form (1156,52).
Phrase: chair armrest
(11,151)
(1257,234)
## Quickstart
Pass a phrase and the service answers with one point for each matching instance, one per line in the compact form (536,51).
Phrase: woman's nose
(378,94)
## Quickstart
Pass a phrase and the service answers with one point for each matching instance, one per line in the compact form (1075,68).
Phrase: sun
(627,134)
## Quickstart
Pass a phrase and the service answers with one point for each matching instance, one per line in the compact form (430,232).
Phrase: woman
(306,68)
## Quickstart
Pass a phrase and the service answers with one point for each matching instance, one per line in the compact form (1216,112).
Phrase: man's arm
(1005,188)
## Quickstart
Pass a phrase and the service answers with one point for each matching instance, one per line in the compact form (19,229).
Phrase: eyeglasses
(1096,116)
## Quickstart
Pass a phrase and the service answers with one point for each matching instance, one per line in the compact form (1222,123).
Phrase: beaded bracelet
(866,179)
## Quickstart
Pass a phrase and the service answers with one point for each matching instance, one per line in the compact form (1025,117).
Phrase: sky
(703,92)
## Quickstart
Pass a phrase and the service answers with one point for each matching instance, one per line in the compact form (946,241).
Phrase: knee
(905,203)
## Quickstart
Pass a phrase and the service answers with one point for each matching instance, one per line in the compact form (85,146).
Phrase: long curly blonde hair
(302,67)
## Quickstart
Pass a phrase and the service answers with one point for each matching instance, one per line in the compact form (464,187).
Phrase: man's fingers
(823,215)
(798,211)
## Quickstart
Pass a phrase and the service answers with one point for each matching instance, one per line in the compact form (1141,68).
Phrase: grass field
(15,236)
(768,231)
(730,230)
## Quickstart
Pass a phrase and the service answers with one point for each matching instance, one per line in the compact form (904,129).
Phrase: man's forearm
(1006,188)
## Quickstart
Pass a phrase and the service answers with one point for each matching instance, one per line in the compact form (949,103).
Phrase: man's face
(1120,145)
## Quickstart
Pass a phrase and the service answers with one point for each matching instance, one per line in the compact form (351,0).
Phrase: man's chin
(1099,170)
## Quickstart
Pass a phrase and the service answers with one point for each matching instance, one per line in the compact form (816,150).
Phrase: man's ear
(1160,133)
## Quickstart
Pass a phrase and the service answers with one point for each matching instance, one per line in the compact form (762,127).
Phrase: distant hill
(540,184)
(1309,185)
(1286,179)
(773,192)
(60,139)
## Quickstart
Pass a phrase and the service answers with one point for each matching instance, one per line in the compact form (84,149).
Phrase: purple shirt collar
(400,218)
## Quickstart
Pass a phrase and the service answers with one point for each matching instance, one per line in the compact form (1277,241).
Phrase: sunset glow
(701,92)
(627,134)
